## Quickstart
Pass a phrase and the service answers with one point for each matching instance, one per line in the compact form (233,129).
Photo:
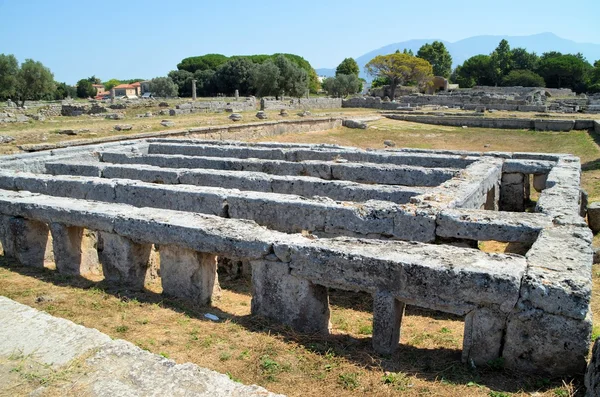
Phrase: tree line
(262,75)
(512,67)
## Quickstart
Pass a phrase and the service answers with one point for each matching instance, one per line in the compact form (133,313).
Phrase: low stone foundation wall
(301,103)
(242,105)
(502,123)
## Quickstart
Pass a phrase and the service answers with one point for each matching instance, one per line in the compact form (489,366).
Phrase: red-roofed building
(128,90)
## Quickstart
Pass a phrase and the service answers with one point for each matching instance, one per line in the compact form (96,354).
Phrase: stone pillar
(539,181)
(593,215)
(284,298)
(492,199)
(512,192)
(387,319)
(194,90)
(483,336)
(189,274)
(592,374)
(112,95)
(123,260)
(75,250)
(24,240)
(237,95)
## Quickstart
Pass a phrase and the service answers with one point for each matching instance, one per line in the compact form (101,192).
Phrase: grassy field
(251,350)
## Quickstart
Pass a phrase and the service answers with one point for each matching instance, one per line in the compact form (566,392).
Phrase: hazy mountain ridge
(466,48)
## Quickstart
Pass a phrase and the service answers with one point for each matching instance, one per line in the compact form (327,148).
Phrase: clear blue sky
(144,39)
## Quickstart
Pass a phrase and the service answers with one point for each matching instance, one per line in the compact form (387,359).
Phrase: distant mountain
(466,48)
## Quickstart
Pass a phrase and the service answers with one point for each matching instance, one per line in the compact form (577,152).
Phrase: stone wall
(247,104)
(300,103)
(494,122)
(200,200)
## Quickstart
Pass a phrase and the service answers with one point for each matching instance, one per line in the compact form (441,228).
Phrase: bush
(523,78)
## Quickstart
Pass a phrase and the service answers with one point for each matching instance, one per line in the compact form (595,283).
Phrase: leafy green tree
(265,79)
(438,56)
(347,66)
(85,89)
(183,79)
(205,82)
(476,70)
(380,82)
(110,84)
(235,74)
(523,60)
(399,68)
(204,62)
(293,80)
(594,78)
(163,87)
(564,71)
(64,91)
(342,85)
(501,62)
(94,80)
(34,81)
(523,78)
(9,71)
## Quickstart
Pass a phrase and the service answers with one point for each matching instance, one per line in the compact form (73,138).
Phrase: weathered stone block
(189,274)
(280,296)
(539,181)
(75,250)
(540,342)
(25,240)
(123,260)
(483,337)
(593,215)
(387,320)
(512,192)
(592,374)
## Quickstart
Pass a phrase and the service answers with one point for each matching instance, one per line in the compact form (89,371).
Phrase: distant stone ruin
(402,225)
(523,99)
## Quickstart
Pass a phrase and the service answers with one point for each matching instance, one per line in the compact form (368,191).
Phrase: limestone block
(483,225)
(282,297)
(562,203)
(387,320)
(483,337)
(439,277)
(123,260)
(593,214)
(559,272)
(592,374)
(75,250)
(539,342)
(189,274)
(539,181)
(512,192)
(492,201)
(23,239)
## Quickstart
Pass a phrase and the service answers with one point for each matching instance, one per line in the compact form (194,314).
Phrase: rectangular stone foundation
(189,274)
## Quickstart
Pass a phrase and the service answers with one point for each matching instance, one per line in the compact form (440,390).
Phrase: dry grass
(253,350)
(98,127)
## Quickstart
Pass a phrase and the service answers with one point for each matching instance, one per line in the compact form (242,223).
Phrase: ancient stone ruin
(402,225)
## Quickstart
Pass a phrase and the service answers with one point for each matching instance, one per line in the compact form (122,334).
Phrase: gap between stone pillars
(75,251)
(123,260)
(24,240)
(484,336)
(287,299)
(387,320)
(189,274)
